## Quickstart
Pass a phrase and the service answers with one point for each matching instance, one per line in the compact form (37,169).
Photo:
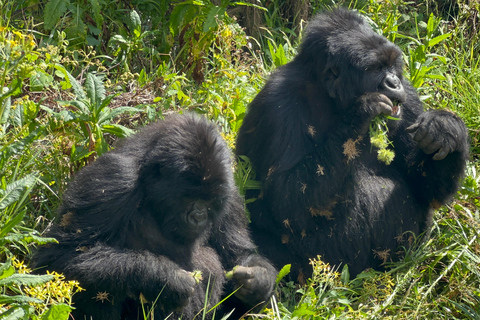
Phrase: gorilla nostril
(391,82)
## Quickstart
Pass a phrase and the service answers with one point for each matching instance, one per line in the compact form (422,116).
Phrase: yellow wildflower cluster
(53,292)
(377,289)
(230,139)
(323,273)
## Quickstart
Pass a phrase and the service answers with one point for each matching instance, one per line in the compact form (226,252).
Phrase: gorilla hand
(255,284)
(176,291)
(372,104)
(438,131)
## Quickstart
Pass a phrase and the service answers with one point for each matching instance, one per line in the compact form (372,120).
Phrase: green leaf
(40,80)
(15,190)
(15,313)
(26,279)
(241,3)
(115,112)
(57,312)
(27,238)
(213,14)
(95,90)
(54,10)
(97,14)
(12,222)
(345,277)
(118,130)
(4,299)
(283,273)
(438,39)
(177,16)
(71,81)
(135,22)
(5,108)
(6,269)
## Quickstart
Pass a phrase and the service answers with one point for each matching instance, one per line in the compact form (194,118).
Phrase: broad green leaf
(118,130)
(6,269)
(5,108)
(26,279)
(40,80)
(177,16)
(57,312)
(15,313)
(15,190)
(345,277)
(4,299)
(438,39)
(213,14)
(95,90)
(115,112)
(54,9)
(135,23)
(71,81)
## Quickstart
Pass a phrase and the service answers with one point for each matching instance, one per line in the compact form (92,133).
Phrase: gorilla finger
(412,128)
(431,148)
(385,109)
(441,154)
(241,272)
(426,141)
(420,134)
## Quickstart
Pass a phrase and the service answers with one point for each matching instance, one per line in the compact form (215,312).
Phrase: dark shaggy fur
(139,219)
(318,197)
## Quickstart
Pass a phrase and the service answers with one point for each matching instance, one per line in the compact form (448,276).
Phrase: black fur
(317,201)
(139,219)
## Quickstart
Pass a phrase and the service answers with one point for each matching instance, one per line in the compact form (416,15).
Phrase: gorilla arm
(252,273)
(132,273)
(432,149)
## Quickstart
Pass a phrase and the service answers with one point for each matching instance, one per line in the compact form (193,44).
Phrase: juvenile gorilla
(136,223)
(323,190)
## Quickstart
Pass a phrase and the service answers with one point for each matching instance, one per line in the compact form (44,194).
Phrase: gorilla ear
(334,71)
(331,75)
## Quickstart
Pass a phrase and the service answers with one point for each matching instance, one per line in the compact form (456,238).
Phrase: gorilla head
(347,53)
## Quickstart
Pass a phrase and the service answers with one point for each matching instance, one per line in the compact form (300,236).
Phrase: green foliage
(90,110)
(378,132)
(422,61)
(54,10)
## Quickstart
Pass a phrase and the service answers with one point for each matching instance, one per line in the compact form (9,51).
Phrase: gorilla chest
(371,199)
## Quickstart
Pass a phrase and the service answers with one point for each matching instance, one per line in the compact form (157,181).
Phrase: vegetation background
(77,75)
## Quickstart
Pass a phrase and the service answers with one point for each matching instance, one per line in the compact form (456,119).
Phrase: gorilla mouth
(396,109)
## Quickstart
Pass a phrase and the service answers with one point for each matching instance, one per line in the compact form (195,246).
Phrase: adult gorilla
(323,190)
(136,224)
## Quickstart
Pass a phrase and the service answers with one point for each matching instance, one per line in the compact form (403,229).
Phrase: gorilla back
(323,190)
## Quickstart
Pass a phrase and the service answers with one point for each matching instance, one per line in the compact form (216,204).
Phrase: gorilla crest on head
(324,192)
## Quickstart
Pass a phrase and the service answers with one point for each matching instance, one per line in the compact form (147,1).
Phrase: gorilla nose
(198,217)
(392,87)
